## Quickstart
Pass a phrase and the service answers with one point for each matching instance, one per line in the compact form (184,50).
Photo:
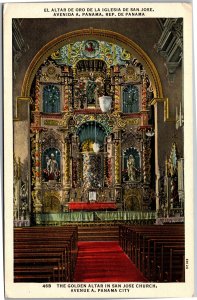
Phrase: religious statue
(90,90)
(52,167)
(131,168)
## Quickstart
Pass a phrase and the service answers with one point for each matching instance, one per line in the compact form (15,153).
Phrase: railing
(97,216)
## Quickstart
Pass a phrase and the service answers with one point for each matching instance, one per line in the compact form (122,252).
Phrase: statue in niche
(131,168)
(52,168)
(90,90)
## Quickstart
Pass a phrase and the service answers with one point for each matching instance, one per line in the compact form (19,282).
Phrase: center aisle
(104,262)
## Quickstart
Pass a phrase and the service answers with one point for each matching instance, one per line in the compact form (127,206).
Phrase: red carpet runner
(104,262)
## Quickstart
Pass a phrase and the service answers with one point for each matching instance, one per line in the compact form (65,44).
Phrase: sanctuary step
(98,233)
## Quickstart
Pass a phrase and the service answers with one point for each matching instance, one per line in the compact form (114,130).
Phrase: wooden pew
(44,243)
(172,263)
(52,246)
(146,250)
(40,263)
(154,255)
(143,245)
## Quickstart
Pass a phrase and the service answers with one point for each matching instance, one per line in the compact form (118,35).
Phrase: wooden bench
(48,252)
(31,263)
(143,245)
(154,255)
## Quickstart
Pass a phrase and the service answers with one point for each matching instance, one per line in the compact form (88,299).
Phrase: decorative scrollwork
(146,161)
(36,197)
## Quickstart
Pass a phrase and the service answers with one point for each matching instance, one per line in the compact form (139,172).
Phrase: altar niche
(51,165)
(92,164)
(131,165)
(92,170)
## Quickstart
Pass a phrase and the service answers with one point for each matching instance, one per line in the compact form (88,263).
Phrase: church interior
(98,150)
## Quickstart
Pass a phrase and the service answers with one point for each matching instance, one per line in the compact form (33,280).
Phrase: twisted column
(67,163)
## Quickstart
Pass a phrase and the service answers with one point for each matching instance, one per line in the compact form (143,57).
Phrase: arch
(91,130)
(92,33)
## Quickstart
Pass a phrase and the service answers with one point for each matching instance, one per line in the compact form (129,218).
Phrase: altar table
(92,206)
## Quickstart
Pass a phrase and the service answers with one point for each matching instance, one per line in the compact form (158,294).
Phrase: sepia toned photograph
(99,173)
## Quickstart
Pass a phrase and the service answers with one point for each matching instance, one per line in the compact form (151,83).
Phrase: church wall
(21,141)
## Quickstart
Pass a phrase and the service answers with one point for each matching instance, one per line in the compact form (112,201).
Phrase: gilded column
(117,91)
(144,113)
(37,96)
(105,170)
(146,160)
(37,161)
(66,90)
(66,95)
(36,194)
(117,162)
(67,164)
(144,88)
(109,161)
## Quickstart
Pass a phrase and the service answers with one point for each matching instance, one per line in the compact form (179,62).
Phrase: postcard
(98,150)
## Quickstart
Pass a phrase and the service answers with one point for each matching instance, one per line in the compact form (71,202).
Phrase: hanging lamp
(150,133)
(96,146)
(105,103)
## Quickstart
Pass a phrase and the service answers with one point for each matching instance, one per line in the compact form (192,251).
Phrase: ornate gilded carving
(66,119)
(36,197)
(37,96)
(66,94)
(144,96)
(87,146)
(106,35)
(174,204)
(104,119)
(51,202)
(146,153)
(118,122)
(51,139)
(33,157)
(133,199)
(111,53)
(89,83)
(130,73)
(133,121)
(36,121)
(67,163)
(117,95)
(50,73)
(131,138)
(117,162)
(50,122)
(37,159)
(74,173)
(171,163)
